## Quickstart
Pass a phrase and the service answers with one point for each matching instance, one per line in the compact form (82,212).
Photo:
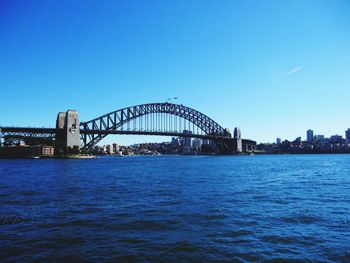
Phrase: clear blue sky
(273,68)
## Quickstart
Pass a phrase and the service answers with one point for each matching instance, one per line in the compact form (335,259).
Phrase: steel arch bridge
(152,119)
(165,119)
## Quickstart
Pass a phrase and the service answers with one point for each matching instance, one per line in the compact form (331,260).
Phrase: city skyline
(345,136)
(272,69)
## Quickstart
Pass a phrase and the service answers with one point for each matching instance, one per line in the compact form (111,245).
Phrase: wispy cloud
(294,70)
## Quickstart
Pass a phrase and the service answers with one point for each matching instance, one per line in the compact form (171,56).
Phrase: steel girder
(23,132)
(116,119)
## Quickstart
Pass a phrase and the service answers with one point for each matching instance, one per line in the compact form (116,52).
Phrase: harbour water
(176,209)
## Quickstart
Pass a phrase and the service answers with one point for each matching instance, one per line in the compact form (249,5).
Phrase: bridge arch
(96,129)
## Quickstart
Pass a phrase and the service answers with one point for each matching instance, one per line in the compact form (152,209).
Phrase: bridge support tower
(238,140)
(68,139)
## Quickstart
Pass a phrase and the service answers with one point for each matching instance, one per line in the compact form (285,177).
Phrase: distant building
(197,144)
(310,136)
(206,142)
(187,141)
(175,141)
(347,135)
(297,141)
(319,138)
(26,151)
(278,140)
(109,149)
(47,151)
(115,148)
(336,139)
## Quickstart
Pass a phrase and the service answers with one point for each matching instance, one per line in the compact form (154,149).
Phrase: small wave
(29,193)
(238,233)
(183,246)
(301,219)
(287,260)
(78,222)
(63,241)
(145,225)
(132,241)
(279,239)
(7,220)
(170,203)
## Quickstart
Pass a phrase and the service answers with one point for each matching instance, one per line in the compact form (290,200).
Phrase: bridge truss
(151,119)
(28,132)
(18,134)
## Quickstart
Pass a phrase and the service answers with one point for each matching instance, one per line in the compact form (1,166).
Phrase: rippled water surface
(176,208)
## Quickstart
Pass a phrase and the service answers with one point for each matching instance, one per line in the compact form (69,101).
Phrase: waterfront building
(197,144)
(175,141)
(297,141)
(187,141)
(109,149)
(206,142)
(336,139)
(347,135)
(319,138)
(278,141)
(26,151)
(115,148)
(310,136)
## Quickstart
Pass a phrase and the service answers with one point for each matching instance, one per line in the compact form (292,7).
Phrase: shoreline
(118,156)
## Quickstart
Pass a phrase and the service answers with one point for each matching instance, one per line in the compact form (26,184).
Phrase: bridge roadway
(51,132)
(29,131)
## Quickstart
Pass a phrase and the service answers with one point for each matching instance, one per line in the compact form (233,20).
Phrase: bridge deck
(28,130)
(53,131)
(120,132)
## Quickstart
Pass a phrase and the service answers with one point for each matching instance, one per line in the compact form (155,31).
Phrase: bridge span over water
(162,119)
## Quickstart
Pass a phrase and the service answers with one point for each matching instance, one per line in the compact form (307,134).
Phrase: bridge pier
(230,145)
(235,145)
(68,137)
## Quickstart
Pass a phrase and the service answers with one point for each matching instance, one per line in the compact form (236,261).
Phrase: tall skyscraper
(347,135)
(310,136)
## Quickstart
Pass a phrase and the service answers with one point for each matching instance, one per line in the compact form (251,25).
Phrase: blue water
(176,208)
